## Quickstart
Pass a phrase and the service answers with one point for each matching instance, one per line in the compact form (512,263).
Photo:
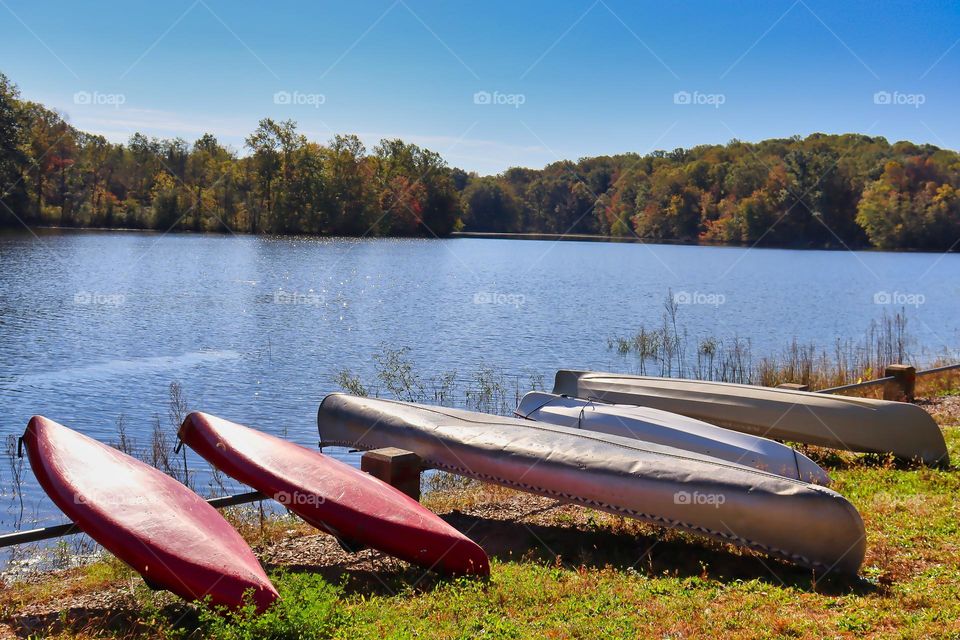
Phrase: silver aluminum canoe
(796,521)
(838,422)
(672,430)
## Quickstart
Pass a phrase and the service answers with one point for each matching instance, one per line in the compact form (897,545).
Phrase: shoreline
(477,235)
(586,237)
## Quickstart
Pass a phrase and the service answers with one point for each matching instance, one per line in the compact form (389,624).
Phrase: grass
(60,584)
(602,584)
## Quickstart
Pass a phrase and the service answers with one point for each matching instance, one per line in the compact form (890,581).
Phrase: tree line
(820,191)
(54,174)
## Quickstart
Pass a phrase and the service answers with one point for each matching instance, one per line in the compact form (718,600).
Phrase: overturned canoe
(333,496)
(672,430)
(159,527)
(793,520)
(838,422)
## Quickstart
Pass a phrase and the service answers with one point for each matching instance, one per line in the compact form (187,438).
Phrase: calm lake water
(94,325)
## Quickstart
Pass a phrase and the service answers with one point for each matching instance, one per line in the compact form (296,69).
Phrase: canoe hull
(839,422)
(799,522)
(333,496)
(673,430)
(159,527)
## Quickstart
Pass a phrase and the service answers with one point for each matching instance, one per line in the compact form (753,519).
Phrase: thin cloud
(126,121)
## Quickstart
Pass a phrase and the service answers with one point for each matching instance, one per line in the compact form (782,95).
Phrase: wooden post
(397,467)
(903,385)
(794,386)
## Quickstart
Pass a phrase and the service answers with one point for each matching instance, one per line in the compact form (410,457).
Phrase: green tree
(44,127)
(206,165)
(165,198)
(489,206)
(352,197)
(12,157)
(306,197)
(272,144)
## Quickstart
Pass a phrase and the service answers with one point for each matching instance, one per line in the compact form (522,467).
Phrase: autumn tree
(911,204)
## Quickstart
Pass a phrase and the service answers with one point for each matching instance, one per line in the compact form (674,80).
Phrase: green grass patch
(309,608)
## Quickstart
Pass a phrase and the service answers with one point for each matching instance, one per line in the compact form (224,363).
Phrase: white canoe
(839,422)
(672,430)
(793,520)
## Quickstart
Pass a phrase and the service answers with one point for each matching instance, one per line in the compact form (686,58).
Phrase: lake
(94,325)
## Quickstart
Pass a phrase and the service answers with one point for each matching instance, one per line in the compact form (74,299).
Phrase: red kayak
(334,497)
(162,529)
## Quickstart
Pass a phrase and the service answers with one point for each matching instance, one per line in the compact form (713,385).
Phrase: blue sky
(564,79)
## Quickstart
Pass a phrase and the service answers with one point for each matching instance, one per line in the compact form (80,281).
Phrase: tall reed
(668,350)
